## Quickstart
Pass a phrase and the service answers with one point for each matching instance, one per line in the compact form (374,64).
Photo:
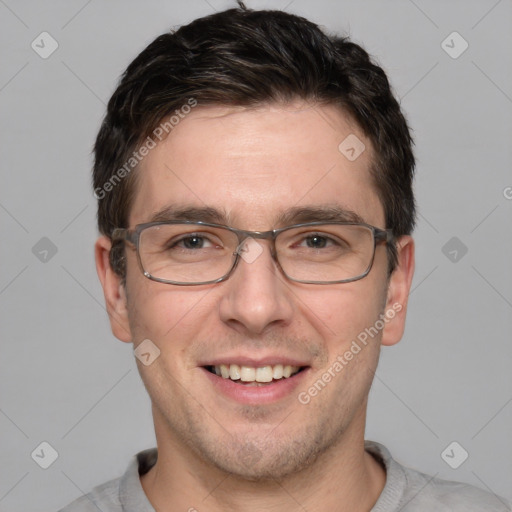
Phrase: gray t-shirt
(406,490)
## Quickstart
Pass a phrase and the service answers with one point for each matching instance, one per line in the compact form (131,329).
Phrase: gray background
(66,380)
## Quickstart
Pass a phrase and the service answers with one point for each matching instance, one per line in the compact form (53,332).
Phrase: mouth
(255,381)
(252,376)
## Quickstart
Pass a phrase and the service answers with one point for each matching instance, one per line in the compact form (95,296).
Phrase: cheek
(340,313)
(163,312)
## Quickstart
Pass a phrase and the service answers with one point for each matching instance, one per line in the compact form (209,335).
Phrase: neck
(344,478)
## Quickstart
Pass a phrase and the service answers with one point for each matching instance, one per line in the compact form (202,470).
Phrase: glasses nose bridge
(244,235)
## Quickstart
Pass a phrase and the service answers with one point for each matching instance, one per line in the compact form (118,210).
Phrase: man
(254,185)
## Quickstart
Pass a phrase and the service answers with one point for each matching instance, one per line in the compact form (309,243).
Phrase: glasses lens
(187,253)
(325,253)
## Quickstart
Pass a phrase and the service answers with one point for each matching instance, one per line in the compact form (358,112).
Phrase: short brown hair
(242,57)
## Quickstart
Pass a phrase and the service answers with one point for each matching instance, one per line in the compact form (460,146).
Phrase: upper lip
(253,362)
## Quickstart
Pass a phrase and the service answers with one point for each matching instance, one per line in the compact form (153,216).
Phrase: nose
(256,295)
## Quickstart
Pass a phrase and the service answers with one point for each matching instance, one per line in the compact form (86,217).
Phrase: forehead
(254,165)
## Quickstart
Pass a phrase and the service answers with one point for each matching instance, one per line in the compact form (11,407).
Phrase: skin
(216,454)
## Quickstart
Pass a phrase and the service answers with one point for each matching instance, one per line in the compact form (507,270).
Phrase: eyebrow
(327,213)
(294,215)
(193,213)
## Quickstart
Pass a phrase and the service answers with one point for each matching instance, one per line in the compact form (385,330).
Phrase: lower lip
(256,395)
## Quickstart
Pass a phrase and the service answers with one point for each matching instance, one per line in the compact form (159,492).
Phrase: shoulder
(409,490)
(122,494)
(105,497)
(424,491)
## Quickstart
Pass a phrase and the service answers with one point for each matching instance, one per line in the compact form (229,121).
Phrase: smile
(255,381)
(250,375)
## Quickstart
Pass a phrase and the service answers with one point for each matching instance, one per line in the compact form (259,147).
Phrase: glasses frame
(133,236)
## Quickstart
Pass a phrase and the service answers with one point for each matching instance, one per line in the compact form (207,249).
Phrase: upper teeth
(252,374)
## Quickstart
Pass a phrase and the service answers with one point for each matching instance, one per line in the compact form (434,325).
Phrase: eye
(193,242)
(317,241)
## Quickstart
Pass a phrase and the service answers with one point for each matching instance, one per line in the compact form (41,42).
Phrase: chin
(264,461)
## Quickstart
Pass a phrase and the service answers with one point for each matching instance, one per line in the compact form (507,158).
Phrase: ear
(398,292)
(113,290)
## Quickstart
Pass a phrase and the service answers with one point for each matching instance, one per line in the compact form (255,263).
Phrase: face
(254,167)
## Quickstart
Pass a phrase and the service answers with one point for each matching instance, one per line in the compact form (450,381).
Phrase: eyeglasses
(193,253)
